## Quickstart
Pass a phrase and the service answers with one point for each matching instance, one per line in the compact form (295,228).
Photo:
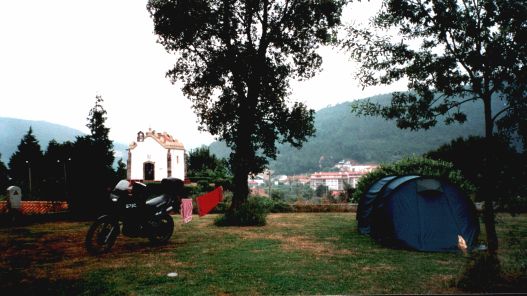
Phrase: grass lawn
(297,253)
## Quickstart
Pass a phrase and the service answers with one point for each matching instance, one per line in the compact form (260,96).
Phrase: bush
(281,207)
(224,205)
(252,213)
(483,161)
(416,165)
(204,186)
(277,195)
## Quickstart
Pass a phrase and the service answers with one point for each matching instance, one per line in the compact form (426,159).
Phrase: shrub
(252,213)
(204,186)
(277,195)
(493,160)
(281,207)
(224,205)
(416,165)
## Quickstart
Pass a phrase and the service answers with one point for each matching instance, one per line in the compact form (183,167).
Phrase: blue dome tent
(420,213)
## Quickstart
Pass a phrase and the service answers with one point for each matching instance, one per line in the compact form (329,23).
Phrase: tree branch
(501,112)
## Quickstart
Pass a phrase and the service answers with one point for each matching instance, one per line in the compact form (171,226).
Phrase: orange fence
(38,207)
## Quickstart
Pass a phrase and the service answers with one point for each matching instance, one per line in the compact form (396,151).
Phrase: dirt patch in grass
(291,237)
(377,268)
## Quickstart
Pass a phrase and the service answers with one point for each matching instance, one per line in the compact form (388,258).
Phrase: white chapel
(155,156)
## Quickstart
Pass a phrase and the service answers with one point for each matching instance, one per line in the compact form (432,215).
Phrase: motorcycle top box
(138,216)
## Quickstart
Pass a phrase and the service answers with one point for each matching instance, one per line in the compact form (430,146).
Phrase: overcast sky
(56,55)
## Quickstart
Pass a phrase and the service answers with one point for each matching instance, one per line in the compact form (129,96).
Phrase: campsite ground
(297,253)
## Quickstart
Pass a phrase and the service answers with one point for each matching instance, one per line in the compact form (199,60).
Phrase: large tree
(235,59)
(451,52)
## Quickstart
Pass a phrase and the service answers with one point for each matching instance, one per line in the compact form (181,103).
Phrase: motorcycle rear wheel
(163,227)
(102,235)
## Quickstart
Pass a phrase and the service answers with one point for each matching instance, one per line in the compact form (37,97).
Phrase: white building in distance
(155,156)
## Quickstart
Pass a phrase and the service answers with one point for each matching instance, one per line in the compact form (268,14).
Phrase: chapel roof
(164,139)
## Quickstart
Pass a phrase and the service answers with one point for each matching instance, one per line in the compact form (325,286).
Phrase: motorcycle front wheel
(102,235)
(162,229)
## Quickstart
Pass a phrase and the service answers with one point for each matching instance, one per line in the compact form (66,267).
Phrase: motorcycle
(138,217)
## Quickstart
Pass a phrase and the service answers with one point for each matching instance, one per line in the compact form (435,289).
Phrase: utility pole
(29,172)
(270,182)
(65,175)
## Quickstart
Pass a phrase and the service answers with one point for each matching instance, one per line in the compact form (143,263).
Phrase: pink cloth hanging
(186,209)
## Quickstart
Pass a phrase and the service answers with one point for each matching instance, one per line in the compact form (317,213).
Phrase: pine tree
(92,159)
(4,176)
(25,165)
(57,161)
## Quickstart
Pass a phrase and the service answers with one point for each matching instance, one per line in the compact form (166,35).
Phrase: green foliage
(4,177)
(415,165)
(204,186)
(481,55)
(506,169)
(121,171)
(251,213)
(92,174)
(280,206)
(57,160)
(224,205)
(26,166)
(204,166)
(451,53)
(322,190)
(235,61)
(518,243)
(200,159)
(277,195)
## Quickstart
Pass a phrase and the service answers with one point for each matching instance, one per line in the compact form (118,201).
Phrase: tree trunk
(241,161)
(489,217)
(241,188)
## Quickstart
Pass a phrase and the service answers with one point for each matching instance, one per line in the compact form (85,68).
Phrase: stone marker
(14,194)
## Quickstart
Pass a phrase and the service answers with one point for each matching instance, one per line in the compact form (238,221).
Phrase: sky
(57,55)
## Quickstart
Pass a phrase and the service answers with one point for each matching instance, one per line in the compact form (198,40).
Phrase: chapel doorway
(148,171)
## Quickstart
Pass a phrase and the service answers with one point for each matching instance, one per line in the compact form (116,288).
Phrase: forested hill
(343,135)
(12,130)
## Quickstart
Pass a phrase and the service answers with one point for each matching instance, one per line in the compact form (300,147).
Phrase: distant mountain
(12,130)
(343,135)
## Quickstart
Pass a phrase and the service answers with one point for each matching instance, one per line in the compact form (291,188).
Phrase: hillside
(343,135)
(12,131)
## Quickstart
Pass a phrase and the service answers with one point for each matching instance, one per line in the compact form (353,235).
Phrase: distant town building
(155,156)
(257,180)
(300,179)
(335,181)
(351,166)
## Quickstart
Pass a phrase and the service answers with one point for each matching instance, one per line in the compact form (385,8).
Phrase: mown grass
(296,253)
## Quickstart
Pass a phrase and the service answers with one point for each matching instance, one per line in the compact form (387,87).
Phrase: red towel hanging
(209,201)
